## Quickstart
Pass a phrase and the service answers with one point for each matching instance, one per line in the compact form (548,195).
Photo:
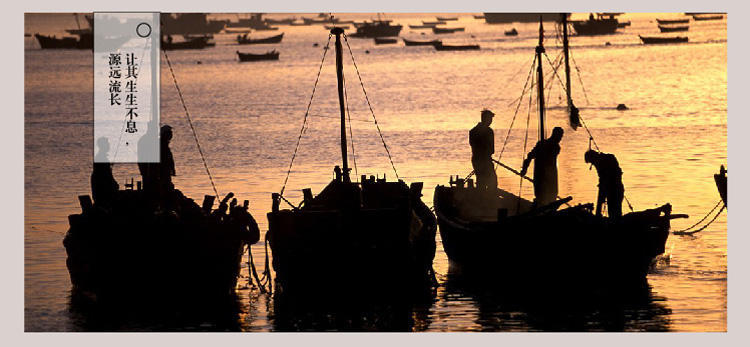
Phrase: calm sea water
(248,116)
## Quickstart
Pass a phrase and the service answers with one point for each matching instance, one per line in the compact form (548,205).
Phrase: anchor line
(190,122)
(382,139)
(304,121)
(686,230)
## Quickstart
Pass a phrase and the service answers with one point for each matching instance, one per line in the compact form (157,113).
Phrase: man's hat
(487,112)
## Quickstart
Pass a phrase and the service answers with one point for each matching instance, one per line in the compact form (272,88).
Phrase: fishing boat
(601,24)
(670,28)
(329,27)
(511,32)
(437,30)
(377,28)
(84,41)
(447,19)
(424,26)
(649,40)
(372,239)
(721,183)
(623,24)
(421,43)
(270,55)
(478,16)
(697,17)
(199,42)
(244,40)
(500,238)
(385,40)
(439,22)
(673,21)
(443,47)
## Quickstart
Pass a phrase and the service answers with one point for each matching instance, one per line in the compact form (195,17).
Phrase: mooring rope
(190,122)
(686,230)
(387,151)
(307,112)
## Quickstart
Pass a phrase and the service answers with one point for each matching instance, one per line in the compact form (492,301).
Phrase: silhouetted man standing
(611,188)
(482,141)
(103,184)
(545,167)
(157,177)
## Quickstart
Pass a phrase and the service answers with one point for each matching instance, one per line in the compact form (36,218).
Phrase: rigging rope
(351,135)
(190,122)
(304,121)
(525,142)
(387,151)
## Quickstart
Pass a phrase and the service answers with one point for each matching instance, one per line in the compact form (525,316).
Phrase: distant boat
(670,29)
(445,19)
(478,16)
(673,21)
(421,43)
(424,26)
(721,183)
(511,32)
(244,40)
(385,40)
(270,55)
(191,43)
(442,47)
(378,28)
(440,22)
(602,24)
(51,42)
(437,30)
(708,17)
(623,24)
(658,40)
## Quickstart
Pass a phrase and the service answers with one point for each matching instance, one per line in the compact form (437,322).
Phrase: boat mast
(567,63)
(340,76)
(540,80)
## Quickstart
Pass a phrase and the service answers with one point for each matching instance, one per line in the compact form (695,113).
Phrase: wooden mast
(340,77)
(540,80)
(567,62)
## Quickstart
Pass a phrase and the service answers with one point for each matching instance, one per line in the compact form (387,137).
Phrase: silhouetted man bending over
(482,141)
(545,167)
(610,182)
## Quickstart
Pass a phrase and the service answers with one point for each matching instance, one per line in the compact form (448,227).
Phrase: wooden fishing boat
(270,55)
(84,41)
(602,24)
(673,21)
(447,19)
(721,183)
(377,28)
(199,42)
(649,40)
(501,238)
(385,40)
(443,47)
(353,238)
(244,40)
(511,32)
(670,29)
(421,43)
(439,22)
(437,30)
(424,26)
(707,17)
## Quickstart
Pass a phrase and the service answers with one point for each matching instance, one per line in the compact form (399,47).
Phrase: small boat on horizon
(85,41)
(437,30)
(440,22)
(244,40)
(198,42)
(707,17)
(421,43)
(648,40)
(424,26)
(670,29)
(601,24)
(443,47)
(446,19)
(673,21)
(623,24)
(385,40)
(511,32)
(377,28)
(270,55)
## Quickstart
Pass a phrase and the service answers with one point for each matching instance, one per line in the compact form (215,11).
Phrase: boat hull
(663,40)
(569,246)
(248,41)
(596,27)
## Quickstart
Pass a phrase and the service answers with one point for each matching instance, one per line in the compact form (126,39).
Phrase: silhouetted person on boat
(482,141)
(545,167)
(610,182)
(103,184)
(157,177)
